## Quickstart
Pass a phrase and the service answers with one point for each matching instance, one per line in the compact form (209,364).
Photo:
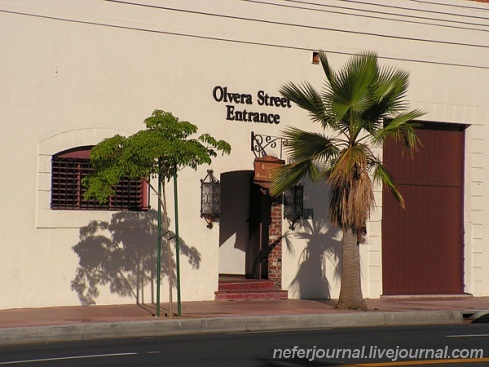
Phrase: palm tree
(360,106)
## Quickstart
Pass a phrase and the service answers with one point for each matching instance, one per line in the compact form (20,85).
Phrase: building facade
(76,72)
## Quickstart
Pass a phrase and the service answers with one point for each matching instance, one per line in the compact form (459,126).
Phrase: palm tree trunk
(351,288)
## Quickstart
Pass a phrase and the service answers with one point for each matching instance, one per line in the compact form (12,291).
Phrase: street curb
(127,329)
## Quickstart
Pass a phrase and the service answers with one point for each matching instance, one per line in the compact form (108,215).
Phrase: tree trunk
(170,254)
(351,288)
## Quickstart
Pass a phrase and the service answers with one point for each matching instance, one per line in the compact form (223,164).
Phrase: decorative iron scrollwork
(262,145)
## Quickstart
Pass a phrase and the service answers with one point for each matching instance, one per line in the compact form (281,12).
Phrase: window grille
(69,168)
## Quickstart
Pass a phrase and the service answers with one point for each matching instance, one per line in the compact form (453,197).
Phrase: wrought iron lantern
(210,199)
(294,204)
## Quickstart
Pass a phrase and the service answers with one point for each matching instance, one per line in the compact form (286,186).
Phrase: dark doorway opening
(244,226)
(249,240)
(257,255)
(234,222)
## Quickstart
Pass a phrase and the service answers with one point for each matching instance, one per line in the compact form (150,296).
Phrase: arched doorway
(250,236)
(234,232)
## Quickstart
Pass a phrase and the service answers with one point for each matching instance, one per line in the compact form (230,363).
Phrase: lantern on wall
(210,199)
(294,204)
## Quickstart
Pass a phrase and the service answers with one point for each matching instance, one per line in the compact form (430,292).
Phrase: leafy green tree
(361,106)
(163,148)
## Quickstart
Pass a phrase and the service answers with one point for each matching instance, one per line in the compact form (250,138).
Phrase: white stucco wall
(76,72)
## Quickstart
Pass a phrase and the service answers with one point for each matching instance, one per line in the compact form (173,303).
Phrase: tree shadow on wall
(121,254)
(323,250)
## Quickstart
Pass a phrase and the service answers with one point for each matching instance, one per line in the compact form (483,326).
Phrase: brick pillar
(275,244)
(264,167)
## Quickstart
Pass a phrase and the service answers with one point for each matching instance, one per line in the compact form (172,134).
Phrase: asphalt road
(345,347)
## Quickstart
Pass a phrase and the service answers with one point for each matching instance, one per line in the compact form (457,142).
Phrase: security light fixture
(210,199)
(315,57)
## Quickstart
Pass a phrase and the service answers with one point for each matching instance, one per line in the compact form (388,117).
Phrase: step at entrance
(239,288)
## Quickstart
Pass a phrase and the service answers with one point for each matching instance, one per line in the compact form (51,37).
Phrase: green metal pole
(158,248)
(177,245)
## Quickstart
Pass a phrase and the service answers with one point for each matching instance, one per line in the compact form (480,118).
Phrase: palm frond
(387,97)
(351,161)
(351,192)
(401,128)
(351,94)
(306,97)
(392,88)
(306,150)
(382,176)
(303,145)
(328,71)
(289,175)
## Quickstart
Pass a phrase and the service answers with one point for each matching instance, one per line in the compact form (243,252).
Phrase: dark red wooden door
(422,246)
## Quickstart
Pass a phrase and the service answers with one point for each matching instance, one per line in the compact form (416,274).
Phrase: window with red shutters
(68,168)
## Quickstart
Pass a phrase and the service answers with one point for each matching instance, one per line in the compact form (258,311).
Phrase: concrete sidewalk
(80,323)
